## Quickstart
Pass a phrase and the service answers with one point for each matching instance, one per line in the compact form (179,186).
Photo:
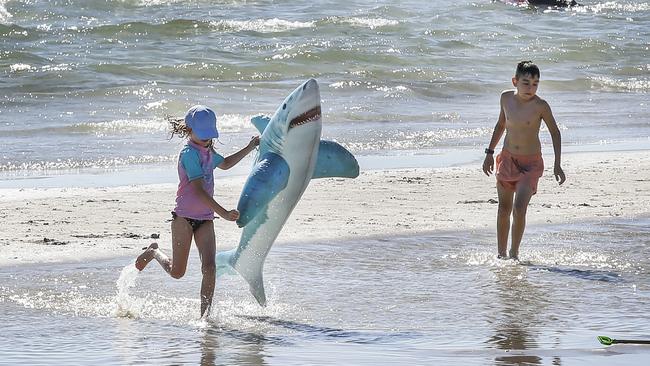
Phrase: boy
(519,165)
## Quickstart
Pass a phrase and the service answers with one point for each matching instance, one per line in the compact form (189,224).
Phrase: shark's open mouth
(311,115)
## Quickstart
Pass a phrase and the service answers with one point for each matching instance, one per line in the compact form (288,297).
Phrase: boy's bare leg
(522,198)
(205,242)
(503,219)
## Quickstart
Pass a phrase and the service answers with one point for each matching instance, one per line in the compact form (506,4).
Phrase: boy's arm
(488,162)
(197,184)
(548,118)
(235,158)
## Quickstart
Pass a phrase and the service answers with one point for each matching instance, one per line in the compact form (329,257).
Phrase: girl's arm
(231,215)
(233,159)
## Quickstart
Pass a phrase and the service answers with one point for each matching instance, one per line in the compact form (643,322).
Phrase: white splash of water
(152,2)
(486,258)
(4,14)
(143,303)
(123,300)
(630,84)
(261,25)
(608,6)
(371,23)
(123,125)
(18,67)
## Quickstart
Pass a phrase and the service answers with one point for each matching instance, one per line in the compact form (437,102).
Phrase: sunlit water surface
(86,85)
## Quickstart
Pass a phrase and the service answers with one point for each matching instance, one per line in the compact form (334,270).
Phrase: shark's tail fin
(256,286)
(253,277)
(255,283)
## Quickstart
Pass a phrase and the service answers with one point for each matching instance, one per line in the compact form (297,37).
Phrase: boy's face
(526,86)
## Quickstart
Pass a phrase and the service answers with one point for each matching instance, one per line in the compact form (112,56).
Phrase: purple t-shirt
(194,162)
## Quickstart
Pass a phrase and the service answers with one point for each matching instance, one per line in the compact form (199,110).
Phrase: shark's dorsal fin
(269,176)
(335,161)
(260,122)
(225,262)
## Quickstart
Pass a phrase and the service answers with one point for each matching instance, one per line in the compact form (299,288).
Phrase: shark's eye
(284,106)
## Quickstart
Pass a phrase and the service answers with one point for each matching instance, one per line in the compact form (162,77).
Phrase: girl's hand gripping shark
(291,154)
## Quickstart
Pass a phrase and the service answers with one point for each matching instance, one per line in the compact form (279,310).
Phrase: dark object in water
(553,2)
(609,341)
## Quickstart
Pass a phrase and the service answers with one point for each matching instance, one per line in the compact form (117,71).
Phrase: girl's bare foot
(146,257)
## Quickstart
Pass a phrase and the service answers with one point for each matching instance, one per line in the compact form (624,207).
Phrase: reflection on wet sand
(518,307)
(250,347)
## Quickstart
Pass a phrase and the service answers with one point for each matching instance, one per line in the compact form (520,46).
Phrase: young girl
(195,207)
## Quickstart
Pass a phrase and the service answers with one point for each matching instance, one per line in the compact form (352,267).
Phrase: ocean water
(86,86)
(440,298)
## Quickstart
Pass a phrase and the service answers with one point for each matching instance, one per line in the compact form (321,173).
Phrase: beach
(396,266)
(79,224)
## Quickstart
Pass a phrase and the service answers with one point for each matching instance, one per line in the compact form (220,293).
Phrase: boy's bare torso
(523,121)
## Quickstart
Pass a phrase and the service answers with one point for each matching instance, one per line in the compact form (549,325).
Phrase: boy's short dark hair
(527,68)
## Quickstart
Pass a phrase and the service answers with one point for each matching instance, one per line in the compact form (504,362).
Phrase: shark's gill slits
(311,115)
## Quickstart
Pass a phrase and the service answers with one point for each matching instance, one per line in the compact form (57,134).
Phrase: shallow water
(438,298)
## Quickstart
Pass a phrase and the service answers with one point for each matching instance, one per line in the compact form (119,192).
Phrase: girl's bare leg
(181,244)
(205,242)
(146,256)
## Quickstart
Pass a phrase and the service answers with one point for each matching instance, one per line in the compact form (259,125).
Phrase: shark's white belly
(300,151)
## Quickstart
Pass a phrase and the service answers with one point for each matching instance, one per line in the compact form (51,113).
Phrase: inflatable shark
(291,154)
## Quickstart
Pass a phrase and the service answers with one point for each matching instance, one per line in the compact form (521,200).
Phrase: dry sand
(75,224)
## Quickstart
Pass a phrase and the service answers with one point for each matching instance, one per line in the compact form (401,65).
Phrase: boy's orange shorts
(513,170)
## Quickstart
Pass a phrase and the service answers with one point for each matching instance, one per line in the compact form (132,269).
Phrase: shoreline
(42,225)
(165,173)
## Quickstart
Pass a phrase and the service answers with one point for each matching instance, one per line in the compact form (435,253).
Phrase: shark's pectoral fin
(269,176)
(335,161)
(260,122)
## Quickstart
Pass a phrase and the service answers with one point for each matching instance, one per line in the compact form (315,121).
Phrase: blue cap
(202,121)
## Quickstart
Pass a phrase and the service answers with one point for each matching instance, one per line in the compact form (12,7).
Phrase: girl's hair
(178,127)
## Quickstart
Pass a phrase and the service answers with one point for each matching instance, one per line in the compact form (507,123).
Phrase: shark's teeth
(309,116)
